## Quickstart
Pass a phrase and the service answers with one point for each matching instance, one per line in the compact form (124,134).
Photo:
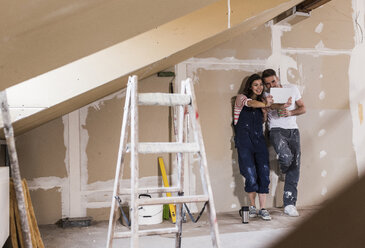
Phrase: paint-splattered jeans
(286,143)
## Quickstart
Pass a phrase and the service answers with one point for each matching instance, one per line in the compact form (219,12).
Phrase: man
(284,136)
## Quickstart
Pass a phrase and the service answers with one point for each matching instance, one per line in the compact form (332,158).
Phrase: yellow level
(166,184)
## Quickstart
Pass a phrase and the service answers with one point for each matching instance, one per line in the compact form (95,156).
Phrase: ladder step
(118,235)
(163,99)
(172,200)
(165,147)
(151,190)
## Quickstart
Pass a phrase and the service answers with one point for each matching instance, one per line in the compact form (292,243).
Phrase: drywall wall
(70,162)
(313,60)
(308,55)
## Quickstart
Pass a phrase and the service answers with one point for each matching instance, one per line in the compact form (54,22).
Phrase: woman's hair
(247,91)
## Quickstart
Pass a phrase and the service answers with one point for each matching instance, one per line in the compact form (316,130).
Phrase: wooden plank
(120,166)
(38,238)
(180,168)
(163,99)
(174,199)
(167,147)
(158,231)
(134,164)
(13,232)
(150,190)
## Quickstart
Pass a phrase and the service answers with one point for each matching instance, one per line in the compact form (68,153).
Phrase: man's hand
(288,103)
(285,113)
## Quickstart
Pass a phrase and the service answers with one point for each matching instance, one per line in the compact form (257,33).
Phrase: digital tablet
(281,95)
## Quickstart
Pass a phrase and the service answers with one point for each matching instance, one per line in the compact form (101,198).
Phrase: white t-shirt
(289,122)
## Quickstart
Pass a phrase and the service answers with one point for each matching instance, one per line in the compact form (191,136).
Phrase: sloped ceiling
(42,35)
(85,80)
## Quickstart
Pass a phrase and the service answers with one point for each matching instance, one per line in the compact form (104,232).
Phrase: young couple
(252,108)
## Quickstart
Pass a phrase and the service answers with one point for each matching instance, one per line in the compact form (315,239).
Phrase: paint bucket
(149,214)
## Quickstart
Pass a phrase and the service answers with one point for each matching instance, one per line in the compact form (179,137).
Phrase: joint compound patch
(322,154)
(324,191)
(319,28)
(232,185)
(360,109)
(322,95)
(321,132)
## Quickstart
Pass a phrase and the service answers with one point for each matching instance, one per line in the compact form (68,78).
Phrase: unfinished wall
(70,161)
(313,54)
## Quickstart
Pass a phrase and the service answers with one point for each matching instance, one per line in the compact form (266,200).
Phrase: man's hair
(268,73)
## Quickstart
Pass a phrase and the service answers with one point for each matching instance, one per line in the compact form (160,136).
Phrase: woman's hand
(269,101)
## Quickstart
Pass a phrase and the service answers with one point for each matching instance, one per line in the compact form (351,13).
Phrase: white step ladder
(186,98)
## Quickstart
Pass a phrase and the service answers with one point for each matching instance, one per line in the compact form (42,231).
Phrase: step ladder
(183,100)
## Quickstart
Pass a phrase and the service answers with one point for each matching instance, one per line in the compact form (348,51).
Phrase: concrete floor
(258,233)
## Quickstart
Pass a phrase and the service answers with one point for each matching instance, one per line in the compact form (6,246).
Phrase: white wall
(4,204)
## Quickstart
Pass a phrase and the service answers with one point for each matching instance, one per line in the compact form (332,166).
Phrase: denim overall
(253,156)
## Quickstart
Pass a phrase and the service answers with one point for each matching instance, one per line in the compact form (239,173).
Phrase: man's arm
(299,110)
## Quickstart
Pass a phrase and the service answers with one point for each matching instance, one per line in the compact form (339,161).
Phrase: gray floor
(258,233)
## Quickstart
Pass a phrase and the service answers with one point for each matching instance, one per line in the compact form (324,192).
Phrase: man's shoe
(264,214)
(252,212)
(291,210)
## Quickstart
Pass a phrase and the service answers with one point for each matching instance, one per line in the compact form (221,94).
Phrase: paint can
(244,213)
(149,214)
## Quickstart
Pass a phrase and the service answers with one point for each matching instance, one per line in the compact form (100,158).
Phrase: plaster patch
(316,51)
(225,64)
(356,96)
(321,113)
(233,205)
(231,86)
(322,154)
(324,191)
(321,76)
(319,28)
(47,183)
(321,132)
(324,173)
(322,95)
(97,104)
(278,60)
(320,45)
(232,185)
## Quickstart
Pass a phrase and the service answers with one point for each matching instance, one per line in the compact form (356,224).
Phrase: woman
(253,156)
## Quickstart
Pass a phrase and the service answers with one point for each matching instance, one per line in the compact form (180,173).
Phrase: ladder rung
(172,200)
(163,99)
(151,190)
(165,147)
(118,235)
